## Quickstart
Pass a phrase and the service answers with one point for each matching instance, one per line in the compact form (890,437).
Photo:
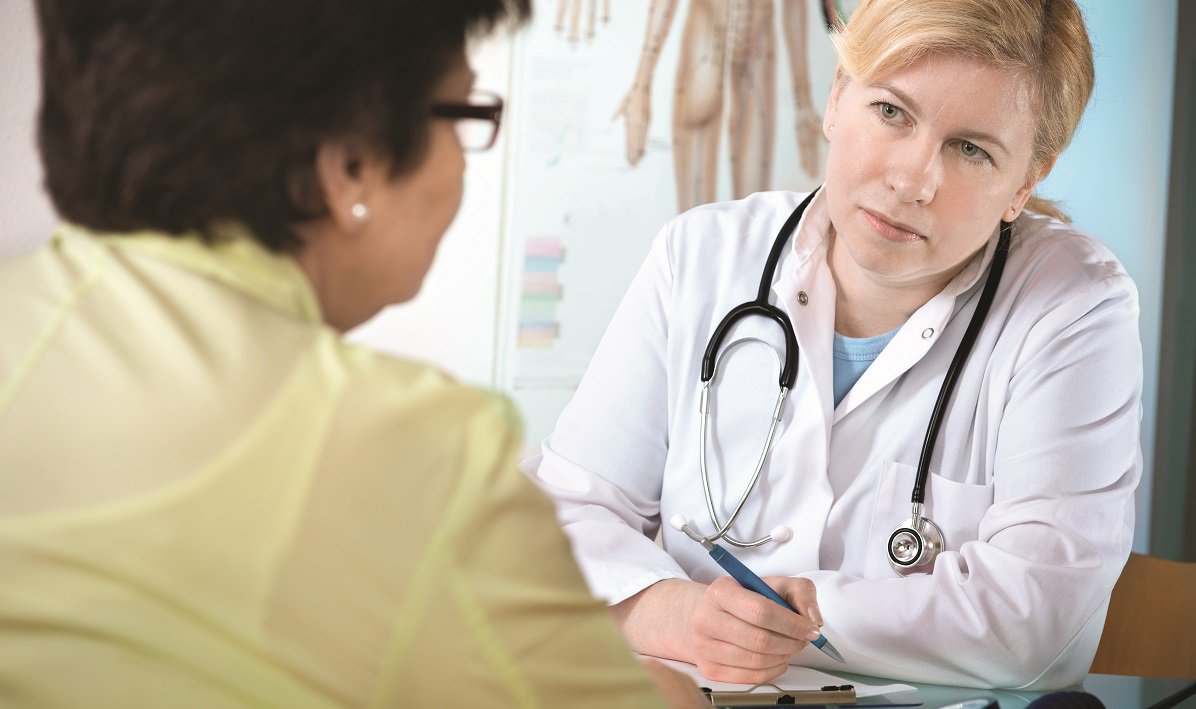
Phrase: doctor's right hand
(731,634)
(740,636)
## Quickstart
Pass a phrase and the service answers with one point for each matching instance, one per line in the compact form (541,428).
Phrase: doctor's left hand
(731,634)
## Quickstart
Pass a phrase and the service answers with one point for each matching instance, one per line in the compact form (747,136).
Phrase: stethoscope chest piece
(914,545)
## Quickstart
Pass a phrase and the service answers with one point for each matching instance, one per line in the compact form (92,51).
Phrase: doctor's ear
(832,102)
(347,177)
(1026,193)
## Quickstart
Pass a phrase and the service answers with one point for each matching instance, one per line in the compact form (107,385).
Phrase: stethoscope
(917,540)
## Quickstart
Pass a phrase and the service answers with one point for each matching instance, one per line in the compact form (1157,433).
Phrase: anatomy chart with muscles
(726,76)
(623,114)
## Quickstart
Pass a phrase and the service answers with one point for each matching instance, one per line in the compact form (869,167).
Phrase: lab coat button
(928,333)
(802,297)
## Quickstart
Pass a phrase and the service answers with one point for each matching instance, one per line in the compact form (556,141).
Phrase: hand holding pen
(743,640)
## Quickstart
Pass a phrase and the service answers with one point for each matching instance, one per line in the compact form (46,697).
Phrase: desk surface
(1115,691)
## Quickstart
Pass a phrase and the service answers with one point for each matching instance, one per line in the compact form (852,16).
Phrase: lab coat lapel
(805,290)
(920,333)
(803,271)
(813,322)
(907,348)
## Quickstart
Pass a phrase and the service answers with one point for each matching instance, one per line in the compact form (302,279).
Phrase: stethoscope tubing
(721,529)
(761,306)
(918,495)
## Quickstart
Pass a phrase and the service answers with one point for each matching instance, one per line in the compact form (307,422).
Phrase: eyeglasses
(476,121)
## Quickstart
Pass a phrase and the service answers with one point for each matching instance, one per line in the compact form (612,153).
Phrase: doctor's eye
(887,111)
(973,152)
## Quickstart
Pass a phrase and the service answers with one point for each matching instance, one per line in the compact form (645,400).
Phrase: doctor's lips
(890,229)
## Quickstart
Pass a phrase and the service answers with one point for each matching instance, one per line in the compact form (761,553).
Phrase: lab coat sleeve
(1023,605)
(604,461)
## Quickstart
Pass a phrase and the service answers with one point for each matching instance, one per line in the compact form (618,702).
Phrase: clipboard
(828,695)
(798,686)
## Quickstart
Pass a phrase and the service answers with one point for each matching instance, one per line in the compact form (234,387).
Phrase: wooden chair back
(1151,627)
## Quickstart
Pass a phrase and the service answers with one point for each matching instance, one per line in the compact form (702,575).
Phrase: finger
(801,594)
(741,675)
(729,648)
(636,153)
(758,611)
(636,138)
(734,631)
(730,654)
(560,17)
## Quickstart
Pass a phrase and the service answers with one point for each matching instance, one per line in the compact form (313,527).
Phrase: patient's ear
(344,181)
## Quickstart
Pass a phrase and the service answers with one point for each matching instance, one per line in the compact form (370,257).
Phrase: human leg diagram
(752,115)
(715,34)
(698,102)
(794,24)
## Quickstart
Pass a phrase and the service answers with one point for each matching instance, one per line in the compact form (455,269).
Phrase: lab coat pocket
(955,507)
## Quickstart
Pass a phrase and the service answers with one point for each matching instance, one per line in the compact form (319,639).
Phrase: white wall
(1113,179)
(25,213)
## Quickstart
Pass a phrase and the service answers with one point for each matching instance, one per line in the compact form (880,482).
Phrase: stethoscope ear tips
(781,534)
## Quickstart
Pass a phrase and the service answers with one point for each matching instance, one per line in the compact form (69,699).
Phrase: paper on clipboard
(795,679)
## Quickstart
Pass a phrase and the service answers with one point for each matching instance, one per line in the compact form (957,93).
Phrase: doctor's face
(923,164)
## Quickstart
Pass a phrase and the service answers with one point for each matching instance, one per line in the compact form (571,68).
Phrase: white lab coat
(1032,480)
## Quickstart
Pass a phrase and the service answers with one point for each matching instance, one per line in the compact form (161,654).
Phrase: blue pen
(747,579)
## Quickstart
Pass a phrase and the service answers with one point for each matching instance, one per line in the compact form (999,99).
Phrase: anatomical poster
(623,114)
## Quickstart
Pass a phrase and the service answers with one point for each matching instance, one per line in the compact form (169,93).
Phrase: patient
(208,498)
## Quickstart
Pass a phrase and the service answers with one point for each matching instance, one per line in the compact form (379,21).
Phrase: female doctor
(997,568)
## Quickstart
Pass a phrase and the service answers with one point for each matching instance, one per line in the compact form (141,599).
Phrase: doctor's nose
(914,173)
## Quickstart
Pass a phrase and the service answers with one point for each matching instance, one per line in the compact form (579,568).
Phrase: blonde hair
(1044,41)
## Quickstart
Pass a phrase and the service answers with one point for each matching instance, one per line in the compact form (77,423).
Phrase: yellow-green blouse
(209,499)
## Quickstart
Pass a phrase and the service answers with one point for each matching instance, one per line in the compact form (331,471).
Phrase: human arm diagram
(636,107)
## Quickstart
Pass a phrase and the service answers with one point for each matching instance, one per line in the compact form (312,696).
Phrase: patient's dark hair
(178,115)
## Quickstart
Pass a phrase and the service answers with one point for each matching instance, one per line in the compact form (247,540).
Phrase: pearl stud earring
(360,212)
